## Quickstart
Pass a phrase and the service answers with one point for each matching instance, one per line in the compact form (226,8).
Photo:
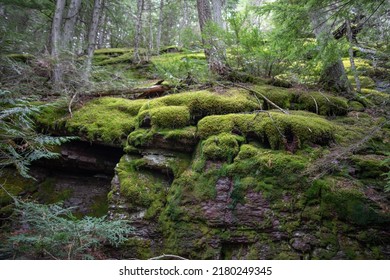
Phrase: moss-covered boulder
(275,129)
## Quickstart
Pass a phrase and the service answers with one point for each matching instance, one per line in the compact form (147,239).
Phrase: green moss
(143,188)
(274,128)
(316,102)
(267,166)
(362,65)
(321,103)
(169,116)
(221,147)
(139,137)
(188,133)
(205,103)
(369,166)
(109,120)
(376,97)
(356,106)
(280,96)
(48,193)
(14,184)
(346,201)
(365,82)
(53,116)
(123,58)
(113,51)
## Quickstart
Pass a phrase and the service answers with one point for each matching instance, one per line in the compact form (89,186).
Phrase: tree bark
(333,76)
(70,23)
(138,27)
(351,58)
(92,34)
(160,22)
(217,12)
(150,20)
(213,51)
(55,44)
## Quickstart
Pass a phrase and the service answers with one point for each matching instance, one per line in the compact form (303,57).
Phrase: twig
(47,252)
(70,104)
(168,256)
(315,102)
(264,97)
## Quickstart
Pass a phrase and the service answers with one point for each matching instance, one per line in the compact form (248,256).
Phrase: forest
(195,129)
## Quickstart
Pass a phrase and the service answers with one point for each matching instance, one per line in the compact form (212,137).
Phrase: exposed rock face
(205,178)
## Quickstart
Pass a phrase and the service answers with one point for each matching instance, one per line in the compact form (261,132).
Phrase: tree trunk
(150,20)
(213,52)
(138,27)
(351,58)
(103,30)
(54,44)
(70,23)
(217,12)
(92,34)
(333,76)
(160,22)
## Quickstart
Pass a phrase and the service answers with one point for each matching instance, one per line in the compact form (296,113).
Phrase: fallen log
(132,93)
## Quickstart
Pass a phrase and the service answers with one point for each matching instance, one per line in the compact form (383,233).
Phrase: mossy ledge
(273,128)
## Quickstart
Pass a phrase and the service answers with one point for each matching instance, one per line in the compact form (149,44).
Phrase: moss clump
(112,51)
(224,146)
(369,166)
(266,166)
(280,96)
(205,103)
(143,188)
(168,116)
(323,104)
(140,137)
(53,116)
(356,106)
(346,201)
(124,58)
(14,184)
(365,82)
(316,102)
(275,129)
(109,120)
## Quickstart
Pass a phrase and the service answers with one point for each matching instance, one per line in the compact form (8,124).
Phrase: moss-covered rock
(167,116)
(142,188)
(316,102)
(321,103)
(275,129)
(205,103)
(107,120)
(221,147)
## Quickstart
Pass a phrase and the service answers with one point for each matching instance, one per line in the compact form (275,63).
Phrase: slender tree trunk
(92,35)
(55,44)
(333,76)
(351,58)
(160,22)
(213,52)
(70,23)
(138,27)
(102,33)
(150,20)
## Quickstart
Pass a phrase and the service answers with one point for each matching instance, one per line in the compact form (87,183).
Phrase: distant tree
(92,35)
(213,49)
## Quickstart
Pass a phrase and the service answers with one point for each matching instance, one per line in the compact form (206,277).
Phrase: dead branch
(264,97)
(168,256)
